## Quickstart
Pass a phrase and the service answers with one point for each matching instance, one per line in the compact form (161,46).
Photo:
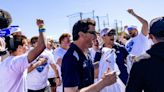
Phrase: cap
(106,31)
(15,29)
(130,28)
(157,27)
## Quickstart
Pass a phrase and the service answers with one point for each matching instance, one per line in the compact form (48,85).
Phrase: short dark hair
(64,35)
(34,39)
(12,42)
(157,28)
(160,39)
(5,19)
(81,26)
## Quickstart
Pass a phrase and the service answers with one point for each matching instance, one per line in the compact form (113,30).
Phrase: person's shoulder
(119,45)
(57,50)
(141,35)
(21,56)
(45,54)
(142,60)
(71,53)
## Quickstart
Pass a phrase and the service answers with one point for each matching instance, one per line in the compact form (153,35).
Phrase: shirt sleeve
(135,82)
(69,71)
(143,37)
(20,63)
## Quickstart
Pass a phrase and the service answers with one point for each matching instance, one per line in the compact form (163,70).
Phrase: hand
(41,60)
(57,81)
(40,23)
(130,11)
(109,78)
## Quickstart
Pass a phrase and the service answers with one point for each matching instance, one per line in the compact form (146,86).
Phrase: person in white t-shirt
(108,60)
(64,41)
(51,75)
(139,42)
(13,69)
(38,72)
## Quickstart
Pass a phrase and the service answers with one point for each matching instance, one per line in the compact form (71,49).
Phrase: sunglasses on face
(111,34)
(93,24)
(91,32)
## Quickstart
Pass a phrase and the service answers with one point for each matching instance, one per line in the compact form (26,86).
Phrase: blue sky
(55,12)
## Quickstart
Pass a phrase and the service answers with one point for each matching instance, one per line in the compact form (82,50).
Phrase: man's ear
(151,36)
(81,34)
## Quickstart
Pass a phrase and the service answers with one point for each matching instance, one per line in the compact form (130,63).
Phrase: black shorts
(52,82)
(41,90)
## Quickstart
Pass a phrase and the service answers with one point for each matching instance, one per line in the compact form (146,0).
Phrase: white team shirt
(51,73)
(108,60)
(37,78)
(13,72)
(138,45)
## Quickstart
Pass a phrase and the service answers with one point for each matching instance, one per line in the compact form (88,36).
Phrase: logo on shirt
(41,67)
(85,64)
(130,46)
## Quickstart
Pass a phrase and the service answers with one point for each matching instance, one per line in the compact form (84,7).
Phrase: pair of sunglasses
(93,24)
(92,32)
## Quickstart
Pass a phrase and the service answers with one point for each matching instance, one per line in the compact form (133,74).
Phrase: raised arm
(143,21)
(33,54)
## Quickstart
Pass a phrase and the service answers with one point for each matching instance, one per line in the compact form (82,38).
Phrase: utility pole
(81,15)
(93,14)
(107,19)
(98,23)
(121,26)
(116,27)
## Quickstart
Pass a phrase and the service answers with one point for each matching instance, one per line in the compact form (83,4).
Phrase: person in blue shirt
(77,69)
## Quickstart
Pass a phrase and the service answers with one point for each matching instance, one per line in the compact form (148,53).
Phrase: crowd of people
(89,62)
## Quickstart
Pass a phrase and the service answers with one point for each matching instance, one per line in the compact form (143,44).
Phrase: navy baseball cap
(157,27)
